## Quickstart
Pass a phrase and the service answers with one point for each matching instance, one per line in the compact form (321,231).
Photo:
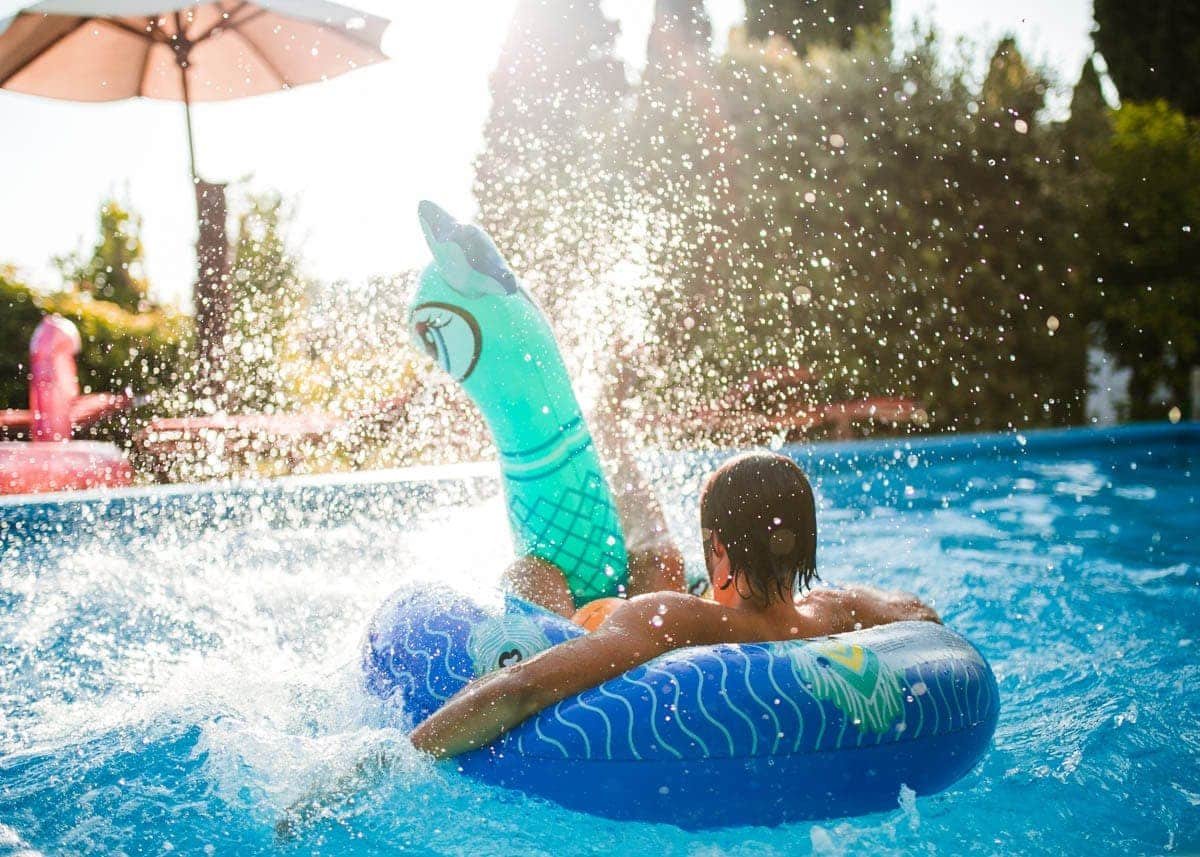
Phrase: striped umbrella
(108,50)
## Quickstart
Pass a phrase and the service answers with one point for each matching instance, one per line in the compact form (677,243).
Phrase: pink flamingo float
(50,460)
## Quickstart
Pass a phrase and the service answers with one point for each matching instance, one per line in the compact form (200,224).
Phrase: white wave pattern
(828,694)
(628,707)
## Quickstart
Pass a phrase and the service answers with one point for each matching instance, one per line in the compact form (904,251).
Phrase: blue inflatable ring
(797,730)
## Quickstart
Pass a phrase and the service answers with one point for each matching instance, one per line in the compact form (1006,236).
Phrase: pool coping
(931,448)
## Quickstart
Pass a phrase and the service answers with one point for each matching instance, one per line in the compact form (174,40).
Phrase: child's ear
(718,547)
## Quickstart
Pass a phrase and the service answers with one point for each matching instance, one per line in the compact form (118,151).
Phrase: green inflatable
(472,316)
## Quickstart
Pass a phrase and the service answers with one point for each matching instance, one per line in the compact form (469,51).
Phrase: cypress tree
(545,180)
(1152,49)
(807,23)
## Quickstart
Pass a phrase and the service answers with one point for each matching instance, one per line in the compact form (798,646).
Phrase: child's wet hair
(761,506)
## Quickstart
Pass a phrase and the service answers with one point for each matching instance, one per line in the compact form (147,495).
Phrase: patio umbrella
(108,50)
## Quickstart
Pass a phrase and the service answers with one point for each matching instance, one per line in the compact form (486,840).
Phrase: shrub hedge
(144,351)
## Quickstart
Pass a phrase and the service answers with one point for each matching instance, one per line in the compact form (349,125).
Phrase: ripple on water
(176,677)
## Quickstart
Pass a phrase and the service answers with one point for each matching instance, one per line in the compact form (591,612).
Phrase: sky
(357,153)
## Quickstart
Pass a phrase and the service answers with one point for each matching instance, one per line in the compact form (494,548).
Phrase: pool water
(179,666)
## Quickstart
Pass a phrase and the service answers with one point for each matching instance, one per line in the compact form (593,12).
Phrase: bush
(142,351)
(19,315)
(1147,253)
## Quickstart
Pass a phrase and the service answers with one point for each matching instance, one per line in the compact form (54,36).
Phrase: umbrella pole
(187,114)
(211,292)
(182,47)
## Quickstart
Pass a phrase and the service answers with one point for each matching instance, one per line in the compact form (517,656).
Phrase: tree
(1152,50)
(1146,230)
(114,271)
(145,351)
(1010,87)
(878,219)
(680,176)
(267,299)
(809,23)
(1088,121)
(1032,279)
(681,30)
(892,230)
(547,181)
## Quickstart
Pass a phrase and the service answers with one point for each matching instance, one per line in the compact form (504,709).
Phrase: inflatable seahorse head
(480,325)
(476,321)
(468,297)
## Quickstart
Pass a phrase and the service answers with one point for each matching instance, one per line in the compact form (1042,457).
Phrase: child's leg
(655,562)
(540,582)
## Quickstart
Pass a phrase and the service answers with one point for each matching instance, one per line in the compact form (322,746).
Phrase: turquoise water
(177,667)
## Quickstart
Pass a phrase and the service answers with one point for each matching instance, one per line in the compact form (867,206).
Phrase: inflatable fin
(465,255)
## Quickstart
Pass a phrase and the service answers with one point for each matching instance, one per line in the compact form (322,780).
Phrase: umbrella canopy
(107,50)
(114,49)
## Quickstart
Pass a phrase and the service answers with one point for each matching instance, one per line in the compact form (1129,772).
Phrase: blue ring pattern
(812,728)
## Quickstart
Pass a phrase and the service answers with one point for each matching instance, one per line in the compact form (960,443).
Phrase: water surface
(178,666)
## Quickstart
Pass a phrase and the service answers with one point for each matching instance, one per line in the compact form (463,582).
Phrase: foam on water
(173,675)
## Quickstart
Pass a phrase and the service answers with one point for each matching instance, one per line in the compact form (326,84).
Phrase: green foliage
(815,23)
(1011,87)
(1152,50)
(143,351)
(19,315)
(880,220)
(268,297)
(683,176)
(548,179)
(813,200)
(1146,231)
(885,226)
(1088,124)
(113,272)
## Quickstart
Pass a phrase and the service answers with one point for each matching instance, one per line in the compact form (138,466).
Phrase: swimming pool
(177,666)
